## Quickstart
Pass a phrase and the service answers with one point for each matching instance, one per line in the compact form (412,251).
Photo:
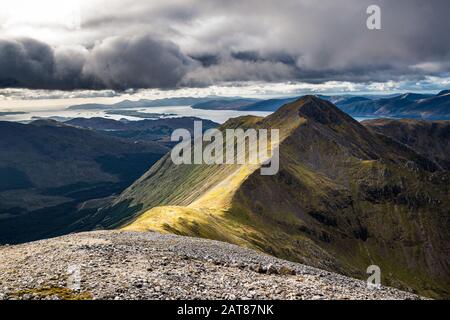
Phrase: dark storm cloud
(203,42)
(115,63)
(137,62)
(25,63)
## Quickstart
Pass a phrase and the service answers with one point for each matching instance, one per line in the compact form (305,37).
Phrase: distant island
(139,114)
(11,113)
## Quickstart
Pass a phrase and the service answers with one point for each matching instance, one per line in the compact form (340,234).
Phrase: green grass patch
(61,293)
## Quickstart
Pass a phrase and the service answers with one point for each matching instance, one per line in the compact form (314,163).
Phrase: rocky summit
(127,265)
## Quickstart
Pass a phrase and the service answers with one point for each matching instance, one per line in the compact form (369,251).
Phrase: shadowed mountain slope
(48,170)
(429,138)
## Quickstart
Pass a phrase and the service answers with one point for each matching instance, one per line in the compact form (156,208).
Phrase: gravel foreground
(117,265)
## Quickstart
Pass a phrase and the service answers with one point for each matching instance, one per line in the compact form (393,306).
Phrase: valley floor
(128,265)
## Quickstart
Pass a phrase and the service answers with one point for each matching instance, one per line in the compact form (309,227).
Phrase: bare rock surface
(127,265)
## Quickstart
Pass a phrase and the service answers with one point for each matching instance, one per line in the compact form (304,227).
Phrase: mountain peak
(313,108)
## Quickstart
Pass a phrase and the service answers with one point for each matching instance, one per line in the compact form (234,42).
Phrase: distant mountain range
(225,104)
(242,104)
(146,103)
(409,105)
(347,196)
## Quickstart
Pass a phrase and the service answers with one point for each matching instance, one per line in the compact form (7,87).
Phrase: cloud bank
(114,63)
(196,43)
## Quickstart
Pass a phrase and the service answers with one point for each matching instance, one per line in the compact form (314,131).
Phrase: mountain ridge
(342,199)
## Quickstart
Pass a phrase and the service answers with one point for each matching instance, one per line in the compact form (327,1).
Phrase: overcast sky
(117,45)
